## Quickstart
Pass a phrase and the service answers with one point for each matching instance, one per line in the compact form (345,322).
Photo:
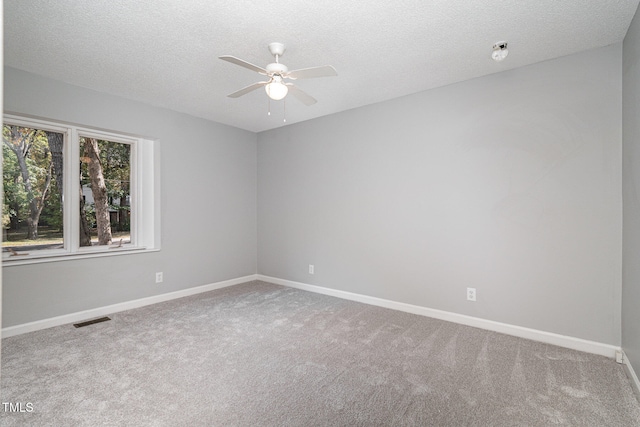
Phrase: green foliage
(15,196)
(32,144)
(115,159)
(52,211)
(90,214)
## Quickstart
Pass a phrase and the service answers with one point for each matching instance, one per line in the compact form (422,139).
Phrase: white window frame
(145,224)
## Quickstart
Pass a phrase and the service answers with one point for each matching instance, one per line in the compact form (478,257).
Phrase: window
(105,185)
(73,191)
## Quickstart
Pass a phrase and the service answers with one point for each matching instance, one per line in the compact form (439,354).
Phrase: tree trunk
(122,212)
(32,224)
(85,233)
(99,190)
(55,140)
(36,206)
(20,145)
(121,218)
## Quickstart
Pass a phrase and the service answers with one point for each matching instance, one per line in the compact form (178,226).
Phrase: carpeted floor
(259,354)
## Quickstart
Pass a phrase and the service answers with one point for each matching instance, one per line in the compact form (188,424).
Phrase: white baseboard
(518,331)
(635,383)
(115,308)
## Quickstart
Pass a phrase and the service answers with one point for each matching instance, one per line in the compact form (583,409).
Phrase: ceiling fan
(276,87)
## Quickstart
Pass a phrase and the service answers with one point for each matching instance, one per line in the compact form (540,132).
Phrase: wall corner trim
(631,374)
(115,308)
(573,343)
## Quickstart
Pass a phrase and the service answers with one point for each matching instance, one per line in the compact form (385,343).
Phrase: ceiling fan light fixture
(276,72)
(500,51)
(276,90)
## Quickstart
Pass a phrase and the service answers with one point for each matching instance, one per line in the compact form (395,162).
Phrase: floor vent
(91,322)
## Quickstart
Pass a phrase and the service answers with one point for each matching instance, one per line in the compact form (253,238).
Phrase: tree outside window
(33,179)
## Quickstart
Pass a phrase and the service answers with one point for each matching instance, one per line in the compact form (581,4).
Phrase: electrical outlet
(311,269)
(471,294)
(159,277)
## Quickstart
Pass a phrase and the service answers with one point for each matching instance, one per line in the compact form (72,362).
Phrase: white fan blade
(247,89)
(302,96)
(243,63)
(308,73)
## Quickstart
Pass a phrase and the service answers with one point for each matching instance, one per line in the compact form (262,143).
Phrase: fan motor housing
(276,68)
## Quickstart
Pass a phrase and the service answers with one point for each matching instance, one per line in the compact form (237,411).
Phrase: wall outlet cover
(471,294)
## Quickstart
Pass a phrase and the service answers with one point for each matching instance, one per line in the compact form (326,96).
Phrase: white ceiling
(165,52)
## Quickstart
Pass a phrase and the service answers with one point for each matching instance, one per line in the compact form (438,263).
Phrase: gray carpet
(258,354)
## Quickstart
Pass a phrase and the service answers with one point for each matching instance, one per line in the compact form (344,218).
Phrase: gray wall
(631,195)
(208,198)
(509,183)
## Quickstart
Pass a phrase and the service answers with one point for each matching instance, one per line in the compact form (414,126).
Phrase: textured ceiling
(165,52)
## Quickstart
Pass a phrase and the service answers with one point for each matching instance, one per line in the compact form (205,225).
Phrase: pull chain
(284,110)
(268,106)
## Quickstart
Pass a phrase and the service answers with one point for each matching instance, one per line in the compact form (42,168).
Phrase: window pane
(105,199)
(32,165)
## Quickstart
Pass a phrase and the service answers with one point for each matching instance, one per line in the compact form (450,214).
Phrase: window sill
(10,261)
